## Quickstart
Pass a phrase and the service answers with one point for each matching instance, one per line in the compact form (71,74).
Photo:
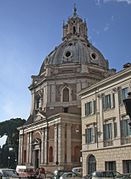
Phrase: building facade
(51,136)
(106,135)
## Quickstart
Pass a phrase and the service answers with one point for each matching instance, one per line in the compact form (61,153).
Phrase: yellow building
(106,135)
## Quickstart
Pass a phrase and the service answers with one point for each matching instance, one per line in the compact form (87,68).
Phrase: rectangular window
(88,108)
(110,165)
(94,107)
(122,94)
(107,131)
(126,166)
(125,128)
(113,100)
(115,129)
(106,101)
(89,135)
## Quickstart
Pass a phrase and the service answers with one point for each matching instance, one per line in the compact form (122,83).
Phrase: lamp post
(10,157)
(8,161)
(127,103)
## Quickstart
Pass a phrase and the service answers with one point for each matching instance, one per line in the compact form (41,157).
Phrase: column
(42,147)
(30,148)
(68,142)
(46,146)
(56,143)
(61,143)
(20,149)
(27,148)
(21,146)
(32,102)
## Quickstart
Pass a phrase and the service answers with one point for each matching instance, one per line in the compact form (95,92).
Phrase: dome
(75,47)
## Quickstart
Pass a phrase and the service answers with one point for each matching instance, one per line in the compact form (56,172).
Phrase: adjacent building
(51,136)
(106,135)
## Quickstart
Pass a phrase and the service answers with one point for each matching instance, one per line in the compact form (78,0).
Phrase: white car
(77,170)
(25,171)
(70,175)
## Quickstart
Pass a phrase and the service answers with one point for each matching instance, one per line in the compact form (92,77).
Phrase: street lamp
(127,103)
(8,161)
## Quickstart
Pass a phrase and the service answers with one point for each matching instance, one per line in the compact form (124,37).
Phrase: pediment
(40,116)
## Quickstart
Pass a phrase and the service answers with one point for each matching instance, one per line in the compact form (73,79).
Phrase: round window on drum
(68,54)
(93,56)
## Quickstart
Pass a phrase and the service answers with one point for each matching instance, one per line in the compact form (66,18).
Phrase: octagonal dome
(75,47)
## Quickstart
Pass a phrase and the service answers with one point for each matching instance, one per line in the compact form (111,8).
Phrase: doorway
(91,164)
(36,158)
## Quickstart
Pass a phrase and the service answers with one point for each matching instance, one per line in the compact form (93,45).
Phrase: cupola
(75,27)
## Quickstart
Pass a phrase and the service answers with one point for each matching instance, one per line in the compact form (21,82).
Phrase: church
(52,135)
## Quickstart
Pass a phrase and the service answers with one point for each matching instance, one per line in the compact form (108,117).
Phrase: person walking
(42,173)
(37,173)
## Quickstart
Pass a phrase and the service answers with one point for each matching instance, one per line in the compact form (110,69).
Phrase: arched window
(74,29)
(91,164)
(37,102)
(65,94)
(51,154)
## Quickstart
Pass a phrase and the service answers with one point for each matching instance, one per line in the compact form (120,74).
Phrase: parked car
(70,175)
(25,171)
(77,170)
(59,173)
(106,175)
(127,176)
(7,172)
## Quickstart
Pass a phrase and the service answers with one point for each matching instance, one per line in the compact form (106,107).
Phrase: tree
(9,128)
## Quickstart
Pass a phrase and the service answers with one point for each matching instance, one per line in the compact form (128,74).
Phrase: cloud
(97,2)
(126,1)
(112,18)
(100,2)
(106,28)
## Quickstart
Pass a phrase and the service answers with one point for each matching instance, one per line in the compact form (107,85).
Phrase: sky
(31,29)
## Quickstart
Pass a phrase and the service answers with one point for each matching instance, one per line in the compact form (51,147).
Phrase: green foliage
(9,128)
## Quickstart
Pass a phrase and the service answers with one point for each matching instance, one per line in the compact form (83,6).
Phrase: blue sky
(30,30)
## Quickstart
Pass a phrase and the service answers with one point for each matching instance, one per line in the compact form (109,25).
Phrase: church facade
(52,134)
